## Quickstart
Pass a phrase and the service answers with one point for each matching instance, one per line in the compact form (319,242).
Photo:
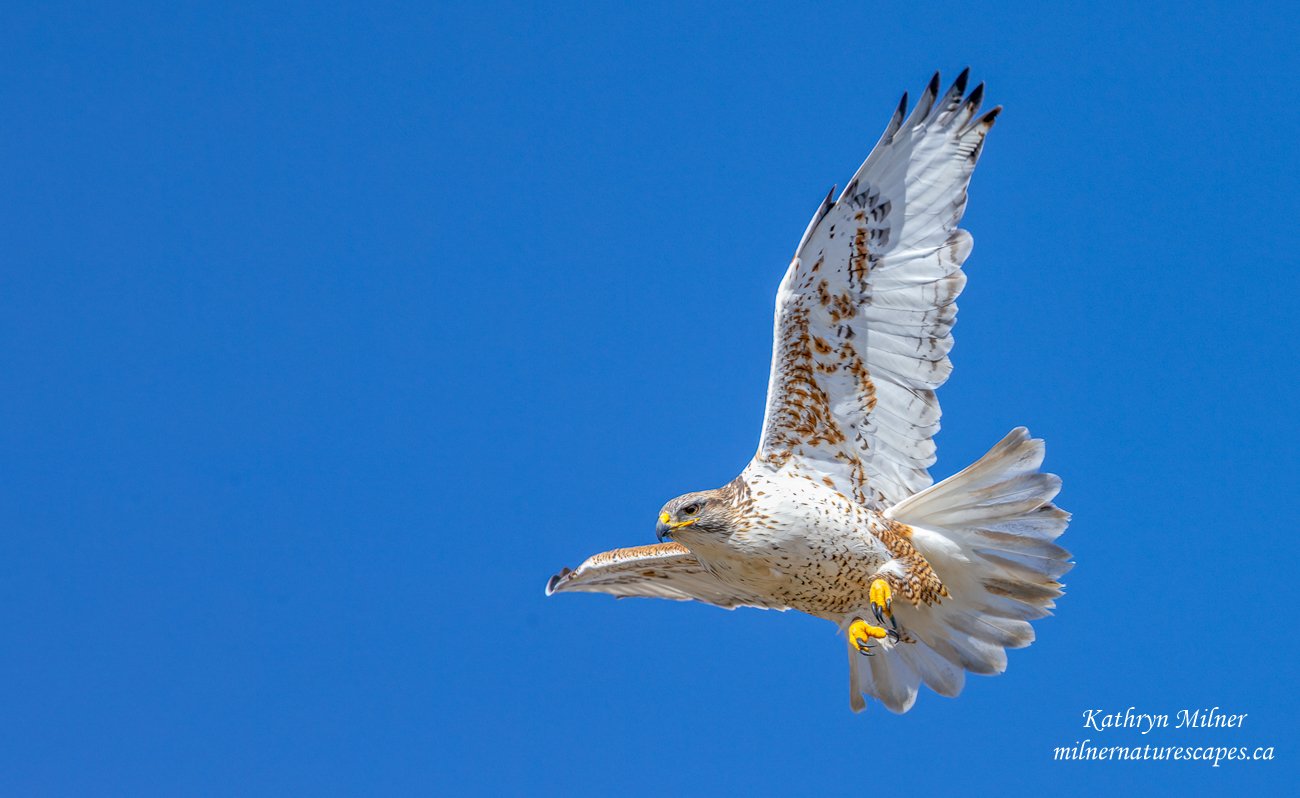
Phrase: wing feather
(665,570)
(865,312)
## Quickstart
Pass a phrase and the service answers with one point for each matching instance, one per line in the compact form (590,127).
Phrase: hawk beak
(665,527)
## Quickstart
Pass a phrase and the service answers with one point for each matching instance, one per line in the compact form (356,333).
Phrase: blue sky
(329,332)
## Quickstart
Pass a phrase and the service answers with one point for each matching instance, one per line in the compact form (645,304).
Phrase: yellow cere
(665,518)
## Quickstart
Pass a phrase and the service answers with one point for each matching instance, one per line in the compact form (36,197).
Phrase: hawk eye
(691,509)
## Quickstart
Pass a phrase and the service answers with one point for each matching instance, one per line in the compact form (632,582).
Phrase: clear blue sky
(328,333)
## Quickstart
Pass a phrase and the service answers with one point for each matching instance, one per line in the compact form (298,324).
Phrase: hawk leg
(881,596)
(918,583)
(862,633)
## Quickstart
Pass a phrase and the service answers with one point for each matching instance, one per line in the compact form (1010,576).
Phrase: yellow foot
(882,602)
(862,633)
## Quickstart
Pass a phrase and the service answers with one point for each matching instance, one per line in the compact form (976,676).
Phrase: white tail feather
(988,532)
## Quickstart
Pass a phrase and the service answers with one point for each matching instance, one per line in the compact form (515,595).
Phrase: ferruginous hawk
(836,515)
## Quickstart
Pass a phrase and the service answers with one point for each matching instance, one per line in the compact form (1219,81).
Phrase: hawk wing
(865,312)
(665,570)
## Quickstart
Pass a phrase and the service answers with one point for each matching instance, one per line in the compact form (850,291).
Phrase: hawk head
(702,513)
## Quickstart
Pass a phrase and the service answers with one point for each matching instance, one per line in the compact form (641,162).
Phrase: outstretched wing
(865,312)
(665,570)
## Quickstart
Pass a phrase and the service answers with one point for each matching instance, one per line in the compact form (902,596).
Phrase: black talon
(893,621)
(875,609)
(893,635)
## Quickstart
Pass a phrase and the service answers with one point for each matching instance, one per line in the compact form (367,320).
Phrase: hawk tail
(988,532)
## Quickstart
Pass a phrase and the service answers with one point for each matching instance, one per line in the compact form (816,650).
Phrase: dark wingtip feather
(555,581)
(959,85)
(826,205)
(945,108)
(896,121)
(987,119)
(976,97)
(926,101)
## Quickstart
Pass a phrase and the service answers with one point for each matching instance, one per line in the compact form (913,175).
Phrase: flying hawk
(836,515)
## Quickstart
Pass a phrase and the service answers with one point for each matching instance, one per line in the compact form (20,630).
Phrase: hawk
(836,515)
